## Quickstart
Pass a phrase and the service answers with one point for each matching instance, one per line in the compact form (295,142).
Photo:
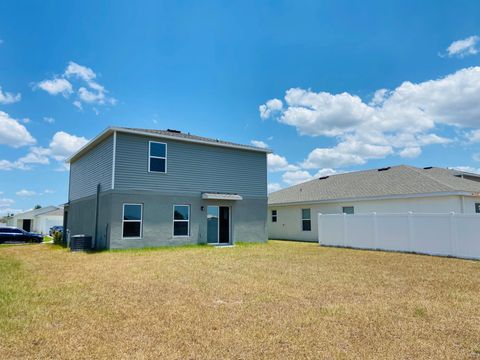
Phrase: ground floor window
(181,220)
(306,220)
(132,220)
(477,208)
(274,215)
(348,210)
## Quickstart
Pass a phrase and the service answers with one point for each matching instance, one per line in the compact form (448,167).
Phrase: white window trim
(309,219)
(174,221)
(141,221)
(157,157)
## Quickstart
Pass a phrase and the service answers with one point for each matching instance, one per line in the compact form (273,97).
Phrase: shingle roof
(40,211)
(397,180)
(171,134)
(188,136)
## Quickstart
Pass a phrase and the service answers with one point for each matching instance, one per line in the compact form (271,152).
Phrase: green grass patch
(15,291)
(420,312)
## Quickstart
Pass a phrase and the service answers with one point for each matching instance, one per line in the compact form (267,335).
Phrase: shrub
(57,238)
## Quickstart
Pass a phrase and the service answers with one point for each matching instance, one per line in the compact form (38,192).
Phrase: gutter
(367,198)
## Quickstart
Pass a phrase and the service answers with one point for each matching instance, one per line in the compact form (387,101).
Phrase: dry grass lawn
(280,300)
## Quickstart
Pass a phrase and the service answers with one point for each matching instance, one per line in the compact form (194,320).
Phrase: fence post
(453,234)
(319,225)
(345,229)
(375,230)
(410,231)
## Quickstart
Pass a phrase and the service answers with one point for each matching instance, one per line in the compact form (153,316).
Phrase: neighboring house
(38,220)
(141,188)
(293,212)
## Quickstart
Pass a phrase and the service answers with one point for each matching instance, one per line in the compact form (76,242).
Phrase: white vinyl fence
(450,234)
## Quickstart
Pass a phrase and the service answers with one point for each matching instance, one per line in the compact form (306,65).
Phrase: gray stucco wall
(248,219)
(81,218)
(95,167)
(191,168)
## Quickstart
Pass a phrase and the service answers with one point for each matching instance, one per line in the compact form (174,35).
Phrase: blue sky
(315,69)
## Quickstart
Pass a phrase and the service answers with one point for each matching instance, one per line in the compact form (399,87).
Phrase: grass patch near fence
(277,300)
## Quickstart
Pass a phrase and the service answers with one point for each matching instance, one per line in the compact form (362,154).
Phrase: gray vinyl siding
(95,167)
(191,168)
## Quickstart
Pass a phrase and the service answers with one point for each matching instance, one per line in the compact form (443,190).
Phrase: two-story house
(141,188)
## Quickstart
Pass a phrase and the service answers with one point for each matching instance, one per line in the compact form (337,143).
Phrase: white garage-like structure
(38,220)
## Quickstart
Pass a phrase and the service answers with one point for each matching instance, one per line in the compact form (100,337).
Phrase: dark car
(12,234)
(54,229)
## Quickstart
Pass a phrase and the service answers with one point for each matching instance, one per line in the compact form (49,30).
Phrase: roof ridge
(418,170)
(188,135)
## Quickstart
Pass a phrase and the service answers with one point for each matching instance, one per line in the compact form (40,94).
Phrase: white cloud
(464,47)
(473,136)
(78,104)
(48,191)
(476,157)
(7,211)
(79,71)
(300,176)
(37,155)
(325,172)
(12,133)
(346,153)
(60,148)
(25,193)
(405,117)
(410,152)
(296,177)
(64,145)
(279,163)
(95,97)
(90,93)
(9,98)
(379,97)
(7,165)
(56,86)
(269,108)
(259,143)
(6,202)
(48,119)
(469,169)
(272,187)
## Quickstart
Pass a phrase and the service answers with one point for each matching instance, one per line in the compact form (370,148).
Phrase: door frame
(230,230)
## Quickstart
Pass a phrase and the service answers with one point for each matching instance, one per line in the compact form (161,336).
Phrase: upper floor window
(348,210)
(306,220)
(274,215)
(132,220)
(477,208)
(157,157)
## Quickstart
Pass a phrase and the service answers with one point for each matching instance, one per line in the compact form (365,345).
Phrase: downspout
(462,198)
(97,201)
